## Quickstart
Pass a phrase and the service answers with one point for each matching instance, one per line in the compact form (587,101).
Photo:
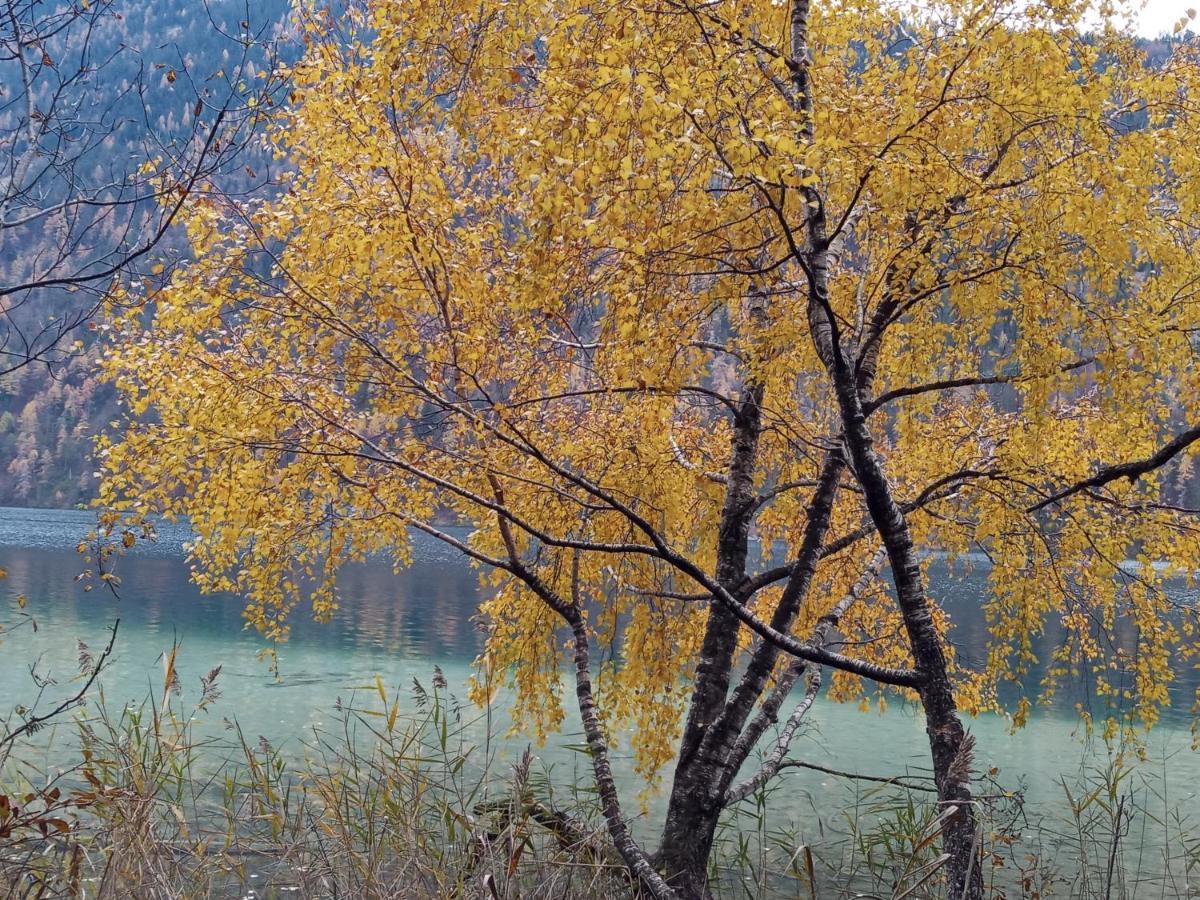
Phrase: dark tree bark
(949,743)
(693,810)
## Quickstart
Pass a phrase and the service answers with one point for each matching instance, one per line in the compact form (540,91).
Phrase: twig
(35,722)
(895,779)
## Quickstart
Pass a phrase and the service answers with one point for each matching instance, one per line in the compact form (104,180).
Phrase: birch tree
(625,286)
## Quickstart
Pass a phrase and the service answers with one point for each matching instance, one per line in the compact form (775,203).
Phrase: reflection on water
(424,611)
(400,625)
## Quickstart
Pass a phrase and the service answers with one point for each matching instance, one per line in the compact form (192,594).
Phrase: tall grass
(384,806)
(414,804)
(1113,832)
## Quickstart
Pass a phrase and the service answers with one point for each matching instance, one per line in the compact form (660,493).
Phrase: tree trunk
(711,684)
(693,809)
(708,765)
(949,744)
(688,836)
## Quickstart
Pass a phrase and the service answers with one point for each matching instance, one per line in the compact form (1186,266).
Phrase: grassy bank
(387,804)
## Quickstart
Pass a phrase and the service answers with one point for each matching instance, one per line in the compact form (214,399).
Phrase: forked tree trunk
(694,806)
(710,760)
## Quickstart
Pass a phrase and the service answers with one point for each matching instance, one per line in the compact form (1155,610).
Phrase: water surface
(401,625)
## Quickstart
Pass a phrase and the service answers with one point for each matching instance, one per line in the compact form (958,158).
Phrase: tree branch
(33,723)
(951,383)
(1130,470)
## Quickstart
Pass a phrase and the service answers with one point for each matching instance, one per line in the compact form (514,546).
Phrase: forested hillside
(152,61)
(109,110)
(46,426)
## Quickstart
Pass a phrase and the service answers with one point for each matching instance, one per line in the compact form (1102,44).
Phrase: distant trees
(46,430)
(625,286)
(111,114)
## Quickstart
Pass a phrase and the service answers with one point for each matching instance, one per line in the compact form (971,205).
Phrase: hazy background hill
(134,79)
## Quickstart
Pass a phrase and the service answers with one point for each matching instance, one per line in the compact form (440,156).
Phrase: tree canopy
(622,284)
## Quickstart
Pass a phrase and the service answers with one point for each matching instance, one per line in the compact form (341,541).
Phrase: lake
(400,626)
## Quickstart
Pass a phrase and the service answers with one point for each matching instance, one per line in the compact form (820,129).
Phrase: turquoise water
(400,626)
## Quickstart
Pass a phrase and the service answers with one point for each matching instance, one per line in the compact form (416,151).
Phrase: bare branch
(974,381)
(33,723)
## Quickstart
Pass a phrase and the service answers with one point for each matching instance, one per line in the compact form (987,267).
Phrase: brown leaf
(61,825)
